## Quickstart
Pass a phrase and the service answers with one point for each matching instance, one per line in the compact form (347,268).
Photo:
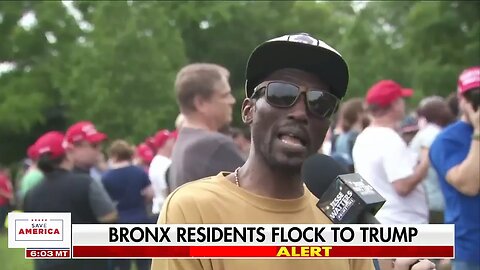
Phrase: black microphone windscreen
(319,171)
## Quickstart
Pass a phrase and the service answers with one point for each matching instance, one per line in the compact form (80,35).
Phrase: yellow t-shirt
(216,200)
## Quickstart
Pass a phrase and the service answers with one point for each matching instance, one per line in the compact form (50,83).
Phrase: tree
(29,102)
(116,65)
(121,75)
(443,38)
(227,32)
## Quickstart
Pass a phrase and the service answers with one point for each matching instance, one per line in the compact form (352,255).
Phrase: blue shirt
(449,149)
(124,185)
(344,145)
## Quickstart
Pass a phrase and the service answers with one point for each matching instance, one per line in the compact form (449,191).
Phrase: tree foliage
(121,75)
(115,62)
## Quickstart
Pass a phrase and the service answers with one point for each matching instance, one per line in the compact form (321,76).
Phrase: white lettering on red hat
(44,149)
(470,76)
(64,144)
(89,130)
(77,138)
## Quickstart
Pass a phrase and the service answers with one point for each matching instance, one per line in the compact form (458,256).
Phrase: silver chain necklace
(236,177)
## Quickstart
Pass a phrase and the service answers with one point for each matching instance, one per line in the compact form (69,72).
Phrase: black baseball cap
(300,51)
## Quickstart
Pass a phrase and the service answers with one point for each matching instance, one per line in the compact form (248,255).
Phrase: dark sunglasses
(284,95)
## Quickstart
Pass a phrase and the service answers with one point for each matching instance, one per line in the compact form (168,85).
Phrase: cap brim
(407,92)
(465,88)
(96,138)
(271,56)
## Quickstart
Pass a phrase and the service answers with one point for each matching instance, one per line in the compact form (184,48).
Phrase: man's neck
(80,168)
(464,118)
(120,164)
(357,127)
(259,178)
(66,165)
(163,153)
(197,123)
(386,122)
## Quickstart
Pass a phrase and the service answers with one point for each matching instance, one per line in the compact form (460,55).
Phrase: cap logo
(78,137)
(470,76)
(64,144)
(303,38)
(44,150)
(89,130)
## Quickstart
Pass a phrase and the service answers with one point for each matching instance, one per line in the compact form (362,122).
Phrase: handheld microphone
(345,198)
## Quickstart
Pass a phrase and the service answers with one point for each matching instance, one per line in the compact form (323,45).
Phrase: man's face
(462,104)
(466,105)
(398,108)
(85,154)
(219,106)
(285,137)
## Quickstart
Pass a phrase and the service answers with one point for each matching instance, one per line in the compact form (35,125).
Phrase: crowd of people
(424,162)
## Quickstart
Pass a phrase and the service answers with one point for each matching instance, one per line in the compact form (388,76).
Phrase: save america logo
(39,230)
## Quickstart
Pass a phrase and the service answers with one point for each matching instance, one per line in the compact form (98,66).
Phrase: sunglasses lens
(282,94)
(322,103)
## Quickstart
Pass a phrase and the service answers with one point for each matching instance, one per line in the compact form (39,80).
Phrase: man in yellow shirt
(294,84)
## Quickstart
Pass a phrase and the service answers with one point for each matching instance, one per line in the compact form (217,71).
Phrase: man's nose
(299,110)
(232,99)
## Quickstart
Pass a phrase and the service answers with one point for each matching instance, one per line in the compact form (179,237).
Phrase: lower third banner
(261,251)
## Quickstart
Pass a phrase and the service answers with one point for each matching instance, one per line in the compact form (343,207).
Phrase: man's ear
(248,107)
(198,103)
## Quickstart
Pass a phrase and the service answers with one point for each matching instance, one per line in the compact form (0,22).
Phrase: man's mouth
(292,139)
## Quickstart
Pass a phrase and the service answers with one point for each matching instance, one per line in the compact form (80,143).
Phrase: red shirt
(5,186)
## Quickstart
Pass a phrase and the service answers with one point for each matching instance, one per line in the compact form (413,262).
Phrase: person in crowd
(455,156)
(129,187)
(64,191)
(33,175)
(293,86)
(334,132)
(408,128)
(143,156)
(241,138)
(150,142)
(84,143)
(6,196)
(384,160)
(326,147)
(434,114)
(452,101)
(179,121)
(164,142)
(100,167)
(205,100)
(351,115)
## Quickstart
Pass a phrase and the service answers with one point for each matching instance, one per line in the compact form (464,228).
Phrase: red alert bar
(262,251)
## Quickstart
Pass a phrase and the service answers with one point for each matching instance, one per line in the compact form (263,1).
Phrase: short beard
(275,165)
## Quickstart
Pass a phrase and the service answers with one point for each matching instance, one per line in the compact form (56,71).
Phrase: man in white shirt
(163,142)
(383,159)
(434,115)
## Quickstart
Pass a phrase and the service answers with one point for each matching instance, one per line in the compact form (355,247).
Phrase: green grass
(12,259)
